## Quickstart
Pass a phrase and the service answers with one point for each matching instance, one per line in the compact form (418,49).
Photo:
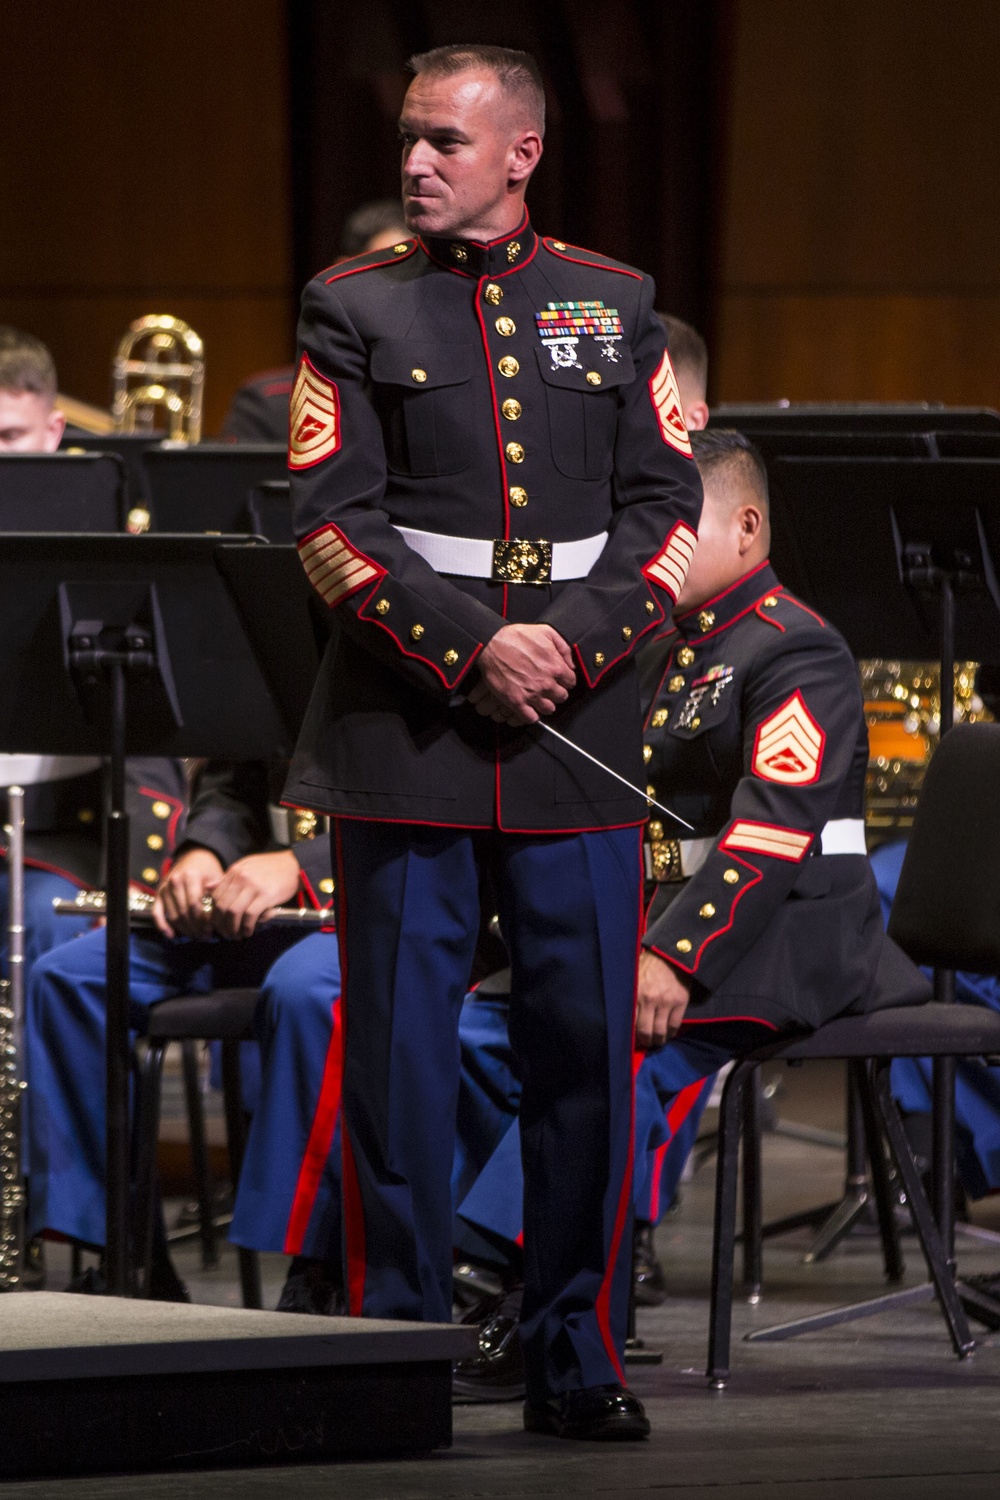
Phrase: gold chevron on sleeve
(765,838)
(789,745)
(666,399)
(670,566)
(314,418)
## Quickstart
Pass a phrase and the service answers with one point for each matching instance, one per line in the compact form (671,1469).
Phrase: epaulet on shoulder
(582,257)
(390,255)
(781,609)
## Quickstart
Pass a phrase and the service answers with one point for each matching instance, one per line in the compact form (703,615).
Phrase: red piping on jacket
(683,1104)
(394,260)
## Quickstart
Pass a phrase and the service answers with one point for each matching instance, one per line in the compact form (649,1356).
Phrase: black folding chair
(946,914)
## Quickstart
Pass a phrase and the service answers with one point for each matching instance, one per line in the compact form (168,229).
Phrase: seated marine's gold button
(460,253)
(676,683)
(400,249)
(683,945)
(593,377)
(382,607)
(418,375)
(707,911)
(493,294)
(559,244)
(650,790)
(626,632)
(706,619)
(515,453)
(511,409)
(598,658)
(326,886)
(416,631)
(161,809)
(696,722)
(731,876)
(150,876)
(508,366)
(513,250)
(518,496)
(154,841)
(450,658)
(685,656)
(505,327)
(660,718)
(647,753)
(770,602)
(650,606)
(655,828)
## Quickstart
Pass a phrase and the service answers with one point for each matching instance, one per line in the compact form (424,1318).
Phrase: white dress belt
(472,556)
(839,836)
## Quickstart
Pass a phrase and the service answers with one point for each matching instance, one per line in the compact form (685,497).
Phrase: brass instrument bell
(159,374)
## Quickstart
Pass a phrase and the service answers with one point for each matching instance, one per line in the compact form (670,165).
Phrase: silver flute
(140,910)
(12,1086)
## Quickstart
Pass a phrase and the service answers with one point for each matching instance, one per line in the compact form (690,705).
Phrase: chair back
(946,912)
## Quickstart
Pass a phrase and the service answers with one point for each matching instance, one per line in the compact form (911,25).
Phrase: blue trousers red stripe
(409,918)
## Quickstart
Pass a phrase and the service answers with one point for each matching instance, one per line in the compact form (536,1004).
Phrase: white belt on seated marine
(513,561)
(839,836)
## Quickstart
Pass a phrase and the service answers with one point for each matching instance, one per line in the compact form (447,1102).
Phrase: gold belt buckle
(665,857)
(522,562)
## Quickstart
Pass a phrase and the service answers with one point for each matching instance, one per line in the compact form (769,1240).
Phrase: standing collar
(726,608)
(496,258)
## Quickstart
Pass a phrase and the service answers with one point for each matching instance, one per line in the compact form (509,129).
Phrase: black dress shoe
(311,1287)
(648,1280)
(598,1414)
(496,1371)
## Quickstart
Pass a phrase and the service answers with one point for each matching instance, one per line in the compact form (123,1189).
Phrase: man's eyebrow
(431,130)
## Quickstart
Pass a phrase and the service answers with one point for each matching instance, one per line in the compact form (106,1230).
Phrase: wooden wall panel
(146,169)
(861,202)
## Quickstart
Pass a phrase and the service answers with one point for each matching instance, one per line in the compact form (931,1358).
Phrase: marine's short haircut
(371,219)
(721,449)
(688,350)
(517,73)
(26,364)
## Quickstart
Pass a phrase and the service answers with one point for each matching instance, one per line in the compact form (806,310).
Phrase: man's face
(460,152)
(29,423)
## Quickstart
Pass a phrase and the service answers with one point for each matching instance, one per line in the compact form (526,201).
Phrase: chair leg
(935,1252)
(888,1229)
(232,1094)
(199,1155)
(724,1235)
(147,1136)
(752,1187)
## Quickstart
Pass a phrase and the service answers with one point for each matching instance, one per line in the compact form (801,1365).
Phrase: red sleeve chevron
(335,568)
(666,399)
(788,748)
(669,567)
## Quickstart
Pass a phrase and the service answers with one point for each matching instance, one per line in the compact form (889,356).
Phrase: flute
(140,910)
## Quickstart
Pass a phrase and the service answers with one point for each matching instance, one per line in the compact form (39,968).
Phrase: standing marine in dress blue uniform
(493,488)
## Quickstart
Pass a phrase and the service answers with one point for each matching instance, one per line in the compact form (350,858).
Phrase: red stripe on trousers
(324,1123)
(678,1112)
(354,1213)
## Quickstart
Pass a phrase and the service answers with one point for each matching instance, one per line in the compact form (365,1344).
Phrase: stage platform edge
(99,1385)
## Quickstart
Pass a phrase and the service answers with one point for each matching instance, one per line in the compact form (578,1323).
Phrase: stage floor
(879,1408)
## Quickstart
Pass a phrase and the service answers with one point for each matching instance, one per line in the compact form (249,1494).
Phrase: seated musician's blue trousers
(289,1192)
(43,929)
(408,921)
(977,1087)
(64,1055)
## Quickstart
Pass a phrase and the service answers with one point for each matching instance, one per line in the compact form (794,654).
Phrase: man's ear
(696,415)
(751,524)
(55,426)
(523,157)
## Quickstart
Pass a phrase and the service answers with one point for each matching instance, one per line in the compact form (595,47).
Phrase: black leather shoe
(598,1414)
(310,1288)
(648,1279)
(496,1371)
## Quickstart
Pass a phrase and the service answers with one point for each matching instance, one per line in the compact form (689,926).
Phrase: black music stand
(117,646)
(62,492)
(899,555)
(207,486)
